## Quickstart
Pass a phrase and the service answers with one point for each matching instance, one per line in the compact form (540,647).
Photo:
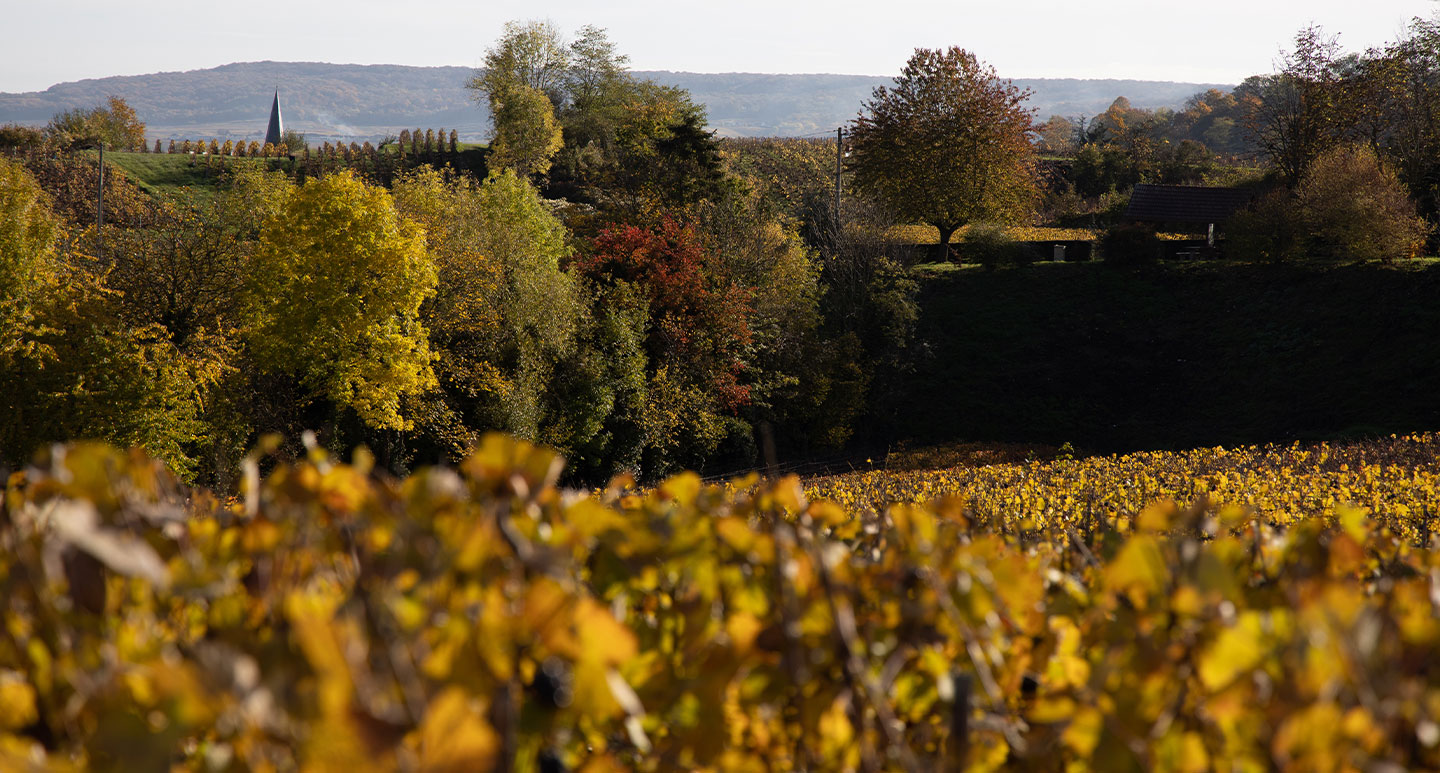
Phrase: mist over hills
(358,102)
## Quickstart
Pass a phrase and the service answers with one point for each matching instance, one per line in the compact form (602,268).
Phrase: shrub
(14,135)
(991,246)
(1355,208)
(1272,229)
(1130,244)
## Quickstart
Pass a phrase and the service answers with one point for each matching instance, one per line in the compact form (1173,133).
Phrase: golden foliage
(1260,608)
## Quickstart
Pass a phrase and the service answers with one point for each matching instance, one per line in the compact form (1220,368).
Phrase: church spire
(276,128)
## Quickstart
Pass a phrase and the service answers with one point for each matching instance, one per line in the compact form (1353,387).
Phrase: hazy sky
(1219,41)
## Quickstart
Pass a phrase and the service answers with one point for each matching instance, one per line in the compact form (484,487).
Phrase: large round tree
(947,145)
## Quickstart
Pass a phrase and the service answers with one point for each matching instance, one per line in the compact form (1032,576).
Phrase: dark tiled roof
(275,130)
(1185,203)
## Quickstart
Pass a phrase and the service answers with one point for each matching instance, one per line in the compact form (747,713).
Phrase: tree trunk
(943,250)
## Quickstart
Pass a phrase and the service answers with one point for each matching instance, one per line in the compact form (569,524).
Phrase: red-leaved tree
(698,320)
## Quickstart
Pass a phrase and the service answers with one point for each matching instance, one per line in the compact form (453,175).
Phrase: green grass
(1171,356)
(160,174)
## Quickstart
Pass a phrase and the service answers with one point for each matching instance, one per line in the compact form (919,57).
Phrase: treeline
(1376,108)
(671,315)
(607,278)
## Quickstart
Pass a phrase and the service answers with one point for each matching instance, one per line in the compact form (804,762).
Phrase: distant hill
(356,102)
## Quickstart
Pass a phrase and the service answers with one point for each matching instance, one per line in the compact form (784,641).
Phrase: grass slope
(1172,356)
(162,173)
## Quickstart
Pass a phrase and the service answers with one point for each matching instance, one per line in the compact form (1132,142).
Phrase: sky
(1221,41)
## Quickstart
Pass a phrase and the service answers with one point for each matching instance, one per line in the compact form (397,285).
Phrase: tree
(69,366)
(28,232)
(947,145)
(658,151)
(83,373)
(526,134)
(594,69)
(1356,209)
(1292,115)
(523,82)
(336,287)
(69,180)
(504,312)
(186,268)
(532,54)
(13,135)
(1392,101)
(293,140)
(1058,136)
(113,124)
(698,337)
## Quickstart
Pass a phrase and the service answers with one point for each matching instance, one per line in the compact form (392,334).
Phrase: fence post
(960,721)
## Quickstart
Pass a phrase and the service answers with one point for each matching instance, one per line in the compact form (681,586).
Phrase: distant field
(1394,477)
(167,173)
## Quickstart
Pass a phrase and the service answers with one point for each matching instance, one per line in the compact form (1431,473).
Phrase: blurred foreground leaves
(482,618)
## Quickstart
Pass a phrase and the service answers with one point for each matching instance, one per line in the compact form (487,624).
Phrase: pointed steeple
(276,128)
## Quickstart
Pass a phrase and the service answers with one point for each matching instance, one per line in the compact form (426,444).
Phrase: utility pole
(100,205)
(839,154)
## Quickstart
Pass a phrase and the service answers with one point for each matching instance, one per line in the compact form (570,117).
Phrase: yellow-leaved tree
(338,279)
(505,313)
(527,135)
(28,230)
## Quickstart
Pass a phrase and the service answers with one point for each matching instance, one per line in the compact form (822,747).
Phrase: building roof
(1185,203)
(275,129)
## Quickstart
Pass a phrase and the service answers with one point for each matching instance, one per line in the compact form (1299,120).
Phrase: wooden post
(100,206)
(839,154)
(960,721)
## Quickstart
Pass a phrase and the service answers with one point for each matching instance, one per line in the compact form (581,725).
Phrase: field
(1393,478)
(166,173)
(1254,608)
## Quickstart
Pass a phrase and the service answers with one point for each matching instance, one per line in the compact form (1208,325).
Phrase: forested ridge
(368,101)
